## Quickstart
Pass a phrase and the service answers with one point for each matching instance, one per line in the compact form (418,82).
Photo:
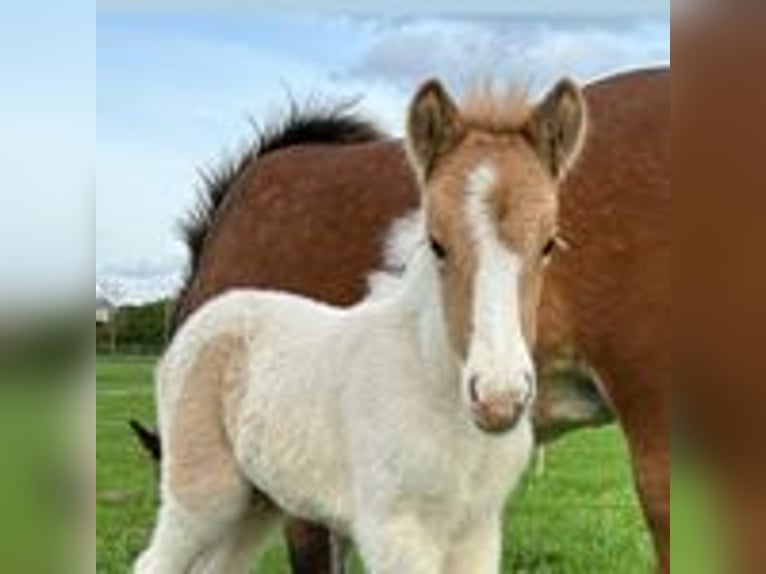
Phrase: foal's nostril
(499,413)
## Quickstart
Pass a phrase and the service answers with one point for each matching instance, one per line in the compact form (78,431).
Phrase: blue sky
(47,82)
(175,93)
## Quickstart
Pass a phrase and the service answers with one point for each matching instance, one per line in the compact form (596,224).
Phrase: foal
(401,422)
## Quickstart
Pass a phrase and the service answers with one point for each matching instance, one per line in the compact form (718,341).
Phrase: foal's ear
(434,126)
(557,127)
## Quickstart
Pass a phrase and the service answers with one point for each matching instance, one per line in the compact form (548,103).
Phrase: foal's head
(490,174)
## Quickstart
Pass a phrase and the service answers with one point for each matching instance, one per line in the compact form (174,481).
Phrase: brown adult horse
(311,216)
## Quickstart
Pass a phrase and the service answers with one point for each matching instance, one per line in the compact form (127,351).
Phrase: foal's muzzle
(501,410)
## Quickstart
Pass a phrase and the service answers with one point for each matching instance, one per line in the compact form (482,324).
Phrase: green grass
(698,541)
(39,479)
(579,515)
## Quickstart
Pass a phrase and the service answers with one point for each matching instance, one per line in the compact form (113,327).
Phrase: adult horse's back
(313,218)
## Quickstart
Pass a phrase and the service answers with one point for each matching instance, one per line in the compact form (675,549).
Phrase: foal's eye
(438,249)
(549,247)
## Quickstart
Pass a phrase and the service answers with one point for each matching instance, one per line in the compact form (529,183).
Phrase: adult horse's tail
(149,439)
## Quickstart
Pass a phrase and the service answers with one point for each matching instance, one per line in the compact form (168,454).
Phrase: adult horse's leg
(645,418)
(652,471)
(309,547)
(649,441)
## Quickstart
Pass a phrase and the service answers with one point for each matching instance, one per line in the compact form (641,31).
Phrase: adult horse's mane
(300,125)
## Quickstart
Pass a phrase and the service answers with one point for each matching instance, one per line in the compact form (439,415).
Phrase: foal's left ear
(557,126)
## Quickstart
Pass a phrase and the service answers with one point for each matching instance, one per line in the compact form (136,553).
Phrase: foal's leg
(201,508)
(478,550)
(399,544)
(234,552)
(182,535)
(204,494)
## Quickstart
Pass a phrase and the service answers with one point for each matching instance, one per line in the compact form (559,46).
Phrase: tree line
(135,329)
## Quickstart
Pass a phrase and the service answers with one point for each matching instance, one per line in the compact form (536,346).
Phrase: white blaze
(497,351)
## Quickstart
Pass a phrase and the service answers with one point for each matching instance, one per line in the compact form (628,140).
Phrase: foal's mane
(310,123)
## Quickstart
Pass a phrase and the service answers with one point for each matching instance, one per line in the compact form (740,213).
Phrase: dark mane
(301,125)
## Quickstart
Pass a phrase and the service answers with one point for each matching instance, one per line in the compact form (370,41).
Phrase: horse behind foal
(402,422)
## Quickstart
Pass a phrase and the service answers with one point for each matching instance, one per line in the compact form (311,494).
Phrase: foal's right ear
(434,126)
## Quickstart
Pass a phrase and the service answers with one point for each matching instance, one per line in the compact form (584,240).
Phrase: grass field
(579,516)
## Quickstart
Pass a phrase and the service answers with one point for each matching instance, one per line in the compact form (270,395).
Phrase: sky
(47,119)
(176,92)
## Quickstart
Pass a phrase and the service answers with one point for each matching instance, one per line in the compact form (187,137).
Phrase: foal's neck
(420,295)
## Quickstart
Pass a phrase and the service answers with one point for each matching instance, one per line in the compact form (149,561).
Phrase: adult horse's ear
(434,126)
(557,126)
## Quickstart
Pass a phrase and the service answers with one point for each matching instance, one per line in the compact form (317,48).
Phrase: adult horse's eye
(549,247)
(438,249)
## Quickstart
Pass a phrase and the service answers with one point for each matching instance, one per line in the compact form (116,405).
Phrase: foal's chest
(488,471)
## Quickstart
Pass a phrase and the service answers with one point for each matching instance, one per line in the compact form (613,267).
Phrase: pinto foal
(402,422)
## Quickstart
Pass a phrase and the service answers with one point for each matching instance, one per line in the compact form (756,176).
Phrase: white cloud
(532,52)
